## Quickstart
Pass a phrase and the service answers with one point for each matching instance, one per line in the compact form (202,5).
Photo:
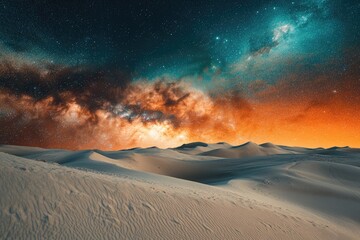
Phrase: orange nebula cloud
(316,111)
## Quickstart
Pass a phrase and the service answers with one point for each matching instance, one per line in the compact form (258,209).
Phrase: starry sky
(122,74)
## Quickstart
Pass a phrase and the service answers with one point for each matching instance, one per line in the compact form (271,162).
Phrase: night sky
(121,74)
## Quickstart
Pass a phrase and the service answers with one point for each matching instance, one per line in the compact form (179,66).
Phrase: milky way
(124,74)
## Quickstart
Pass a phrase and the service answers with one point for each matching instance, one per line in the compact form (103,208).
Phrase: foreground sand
(197,191)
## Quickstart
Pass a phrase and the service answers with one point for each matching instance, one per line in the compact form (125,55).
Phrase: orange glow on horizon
(318,112)
(226,118)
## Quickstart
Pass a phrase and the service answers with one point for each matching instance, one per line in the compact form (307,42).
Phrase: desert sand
(195,191)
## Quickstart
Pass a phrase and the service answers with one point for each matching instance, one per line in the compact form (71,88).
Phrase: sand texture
(195,191)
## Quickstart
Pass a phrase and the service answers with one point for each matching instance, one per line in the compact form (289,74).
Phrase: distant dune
(195,191)
(247,150)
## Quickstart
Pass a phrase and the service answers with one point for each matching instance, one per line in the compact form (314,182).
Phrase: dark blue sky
(180,38)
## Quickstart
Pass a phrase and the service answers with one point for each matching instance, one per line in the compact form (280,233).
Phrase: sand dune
(247,150)
(199,147)
(244,192)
